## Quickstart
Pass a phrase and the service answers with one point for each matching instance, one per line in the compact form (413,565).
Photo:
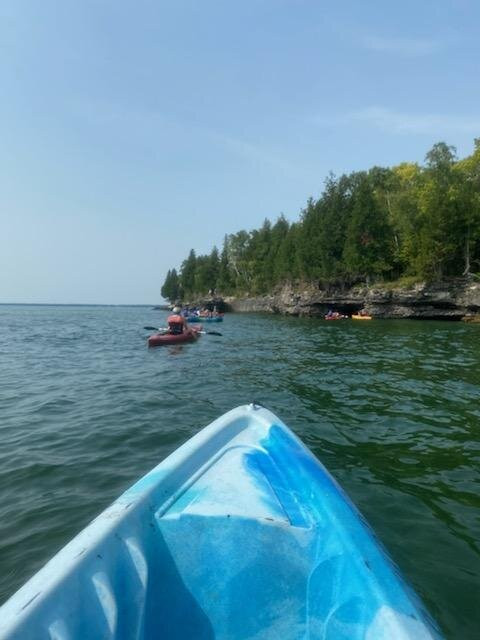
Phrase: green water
(390,407)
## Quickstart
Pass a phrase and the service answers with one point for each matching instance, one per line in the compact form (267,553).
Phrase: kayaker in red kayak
(176,322)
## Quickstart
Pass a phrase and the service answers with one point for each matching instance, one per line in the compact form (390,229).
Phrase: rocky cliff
(450,300)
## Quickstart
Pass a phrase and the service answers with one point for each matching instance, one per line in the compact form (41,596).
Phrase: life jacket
(176,324)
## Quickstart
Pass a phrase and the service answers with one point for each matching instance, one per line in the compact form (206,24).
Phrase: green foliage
(171,289)
(187,273)
(225,280)
(406,282)
(206,272)
(336,209)
(401,224)
(367,251)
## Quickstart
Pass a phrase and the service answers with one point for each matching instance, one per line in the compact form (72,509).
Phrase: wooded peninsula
(409,222)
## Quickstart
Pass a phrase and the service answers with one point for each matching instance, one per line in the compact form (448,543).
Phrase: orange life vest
(176,324)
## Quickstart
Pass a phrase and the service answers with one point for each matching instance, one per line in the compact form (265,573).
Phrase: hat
(176,309)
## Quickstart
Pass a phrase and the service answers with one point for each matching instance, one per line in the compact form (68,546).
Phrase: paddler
(177,324)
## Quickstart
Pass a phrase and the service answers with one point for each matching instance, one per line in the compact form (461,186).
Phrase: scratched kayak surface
(240,533)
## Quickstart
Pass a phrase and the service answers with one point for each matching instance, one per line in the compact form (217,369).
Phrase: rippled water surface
(391,407)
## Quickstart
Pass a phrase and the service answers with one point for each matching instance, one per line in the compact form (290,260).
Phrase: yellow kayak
(358,317)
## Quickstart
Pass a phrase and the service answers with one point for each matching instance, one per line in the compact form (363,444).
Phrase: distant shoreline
(71,304)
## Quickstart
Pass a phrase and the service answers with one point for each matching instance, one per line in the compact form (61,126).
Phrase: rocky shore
(454,299)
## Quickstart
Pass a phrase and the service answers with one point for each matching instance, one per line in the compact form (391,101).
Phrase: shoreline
(454,299)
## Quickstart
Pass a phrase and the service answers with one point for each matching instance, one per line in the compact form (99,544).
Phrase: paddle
(205,333)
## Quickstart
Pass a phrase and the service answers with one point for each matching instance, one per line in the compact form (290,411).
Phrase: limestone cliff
(449,299)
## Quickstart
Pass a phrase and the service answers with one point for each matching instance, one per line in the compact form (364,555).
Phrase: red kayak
(159,339)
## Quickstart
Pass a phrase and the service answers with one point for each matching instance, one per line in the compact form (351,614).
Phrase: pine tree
(187,273)
(171,288)
(225,282)
(367,250)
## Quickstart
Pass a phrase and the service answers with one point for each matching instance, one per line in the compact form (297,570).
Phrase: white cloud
(426,123)
(408,47)
(401,123)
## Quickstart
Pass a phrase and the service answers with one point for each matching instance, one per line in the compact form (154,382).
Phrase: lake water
(390,407)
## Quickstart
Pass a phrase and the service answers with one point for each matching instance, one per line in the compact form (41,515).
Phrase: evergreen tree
(206,272)
(468,194)
(214,269)
(278,234)
(407,220)
(367,250)
(288,259)
(437,213)
(187,273)
(258,258)
(202,275)
(334,211)
(225,282)
(310,259)
(171,288)
(165,290)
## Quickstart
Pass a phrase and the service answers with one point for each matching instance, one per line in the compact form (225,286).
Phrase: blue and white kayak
(240,533)
(204,318)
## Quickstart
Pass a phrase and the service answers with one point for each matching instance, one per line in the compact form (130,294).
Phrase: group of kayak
(205,318)
(192,314)
(178,329)
(335,315)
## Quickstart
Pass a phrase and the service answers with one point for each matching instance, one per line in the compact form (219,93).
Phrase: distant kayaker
(176,322)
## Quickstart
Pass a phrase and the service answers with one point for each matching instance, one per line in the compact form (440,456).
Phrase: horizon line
(81,304)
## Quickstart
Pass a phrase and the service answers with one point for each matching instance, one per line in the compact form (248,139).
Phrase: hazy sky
(133,131)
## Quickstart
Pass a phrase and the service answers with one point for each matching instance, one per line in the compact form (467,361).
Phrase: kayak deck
(240,533)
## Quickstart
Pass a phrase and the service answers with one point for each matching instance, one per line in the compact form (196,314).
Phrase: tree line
(414,220)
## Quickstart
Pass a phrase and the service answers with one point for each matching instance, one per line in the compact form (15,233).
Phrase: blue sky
(133,131)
